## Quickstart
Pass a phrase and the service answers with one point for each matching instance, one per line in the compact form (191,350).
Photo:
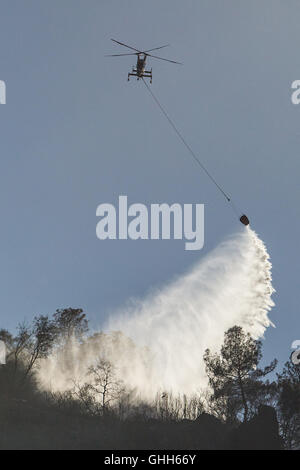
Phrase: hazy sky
(75,133)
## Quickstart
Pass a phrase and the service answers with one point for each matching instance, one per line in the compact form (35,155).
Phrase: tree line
(237,392)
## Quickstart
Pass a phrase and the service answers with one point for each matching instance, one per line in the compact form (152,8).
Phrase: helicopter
(140,70)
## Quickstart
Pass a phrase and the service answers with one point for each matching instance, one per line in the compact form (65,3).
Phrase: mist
(157,343)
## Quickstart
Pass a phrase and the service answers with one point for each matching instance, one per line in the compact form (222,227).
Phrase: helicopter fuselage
(140,70)
(141,65)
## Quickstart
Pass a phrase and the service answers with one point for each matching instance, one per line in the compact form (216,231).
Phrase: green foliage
(71,322)
(234,375)
(289,404)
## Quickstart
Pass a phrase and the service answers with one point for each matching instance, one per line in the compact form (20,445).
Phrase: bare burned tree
(104,383)
(32,343)
(20,343)
(85,396)
(41,338)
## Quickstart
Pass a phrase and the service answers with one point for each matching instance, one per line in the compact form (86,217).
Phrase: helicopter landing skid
(146,74)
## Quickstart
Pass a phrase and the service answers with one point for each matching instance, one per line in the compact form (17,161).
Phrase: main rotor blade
(120,55)
(167,60)
(125,45)
(156,48)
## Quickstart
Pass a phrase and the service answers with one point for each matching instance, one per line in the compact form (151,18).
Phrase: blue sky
(75,134)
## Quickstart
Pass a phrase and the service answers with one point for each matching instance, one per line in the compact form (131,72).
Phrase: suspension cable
(228,198)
